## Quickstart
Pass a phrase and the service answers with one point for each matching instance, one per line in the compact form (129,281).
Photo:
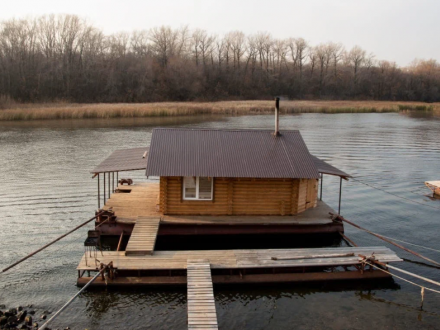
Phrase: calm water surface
(47,188)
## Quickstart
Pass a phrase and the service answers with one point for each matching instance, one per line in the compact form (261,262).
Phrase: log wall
(242,197)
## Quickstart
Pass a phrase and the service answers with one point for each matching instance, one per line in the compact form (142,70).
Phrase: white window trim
(197,191)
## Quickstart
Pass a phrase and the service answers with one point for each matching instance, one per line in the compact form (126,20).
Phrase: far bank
(47,111)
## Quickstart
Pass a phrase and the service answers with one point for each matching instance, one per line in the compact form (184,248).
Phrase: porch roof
(124,160)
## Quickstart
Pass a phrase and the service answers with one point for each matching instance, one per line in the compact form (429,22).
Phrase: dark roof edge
(325,168)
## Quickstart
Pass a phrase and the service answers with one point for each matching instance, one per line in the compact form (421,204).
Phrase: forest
(66,58)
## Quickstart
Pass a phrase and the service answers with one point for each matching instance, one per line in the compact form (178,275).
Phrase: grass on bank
(45,111)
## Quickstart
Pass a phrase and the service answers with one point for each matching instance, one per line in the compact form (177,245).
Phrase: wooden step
(143,236)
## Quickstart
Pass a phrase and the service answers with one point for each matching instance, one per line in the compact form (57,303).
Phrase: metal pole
(104,187)
(117,179)
(113,182)
(109,185)
(71,299)
(49,244)
(340,194)
(320,195)
(99,193)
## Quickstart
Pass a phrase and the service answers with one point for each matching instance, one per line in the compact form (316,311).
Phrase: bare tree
(65,57)
(355,58)
(164,41)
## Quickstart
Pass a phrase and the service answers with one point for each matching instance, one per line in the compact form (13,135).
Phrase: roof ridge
(223,130)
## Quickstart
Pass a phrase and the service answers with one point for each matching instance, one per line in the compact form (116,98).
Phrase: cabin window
(197,188)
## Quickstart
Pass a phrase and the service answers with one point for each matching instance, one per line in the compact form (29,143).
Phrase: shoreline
(62,111)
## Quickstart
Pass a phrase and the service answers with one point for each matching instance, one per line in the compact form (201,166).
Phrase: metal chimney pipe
(277,111)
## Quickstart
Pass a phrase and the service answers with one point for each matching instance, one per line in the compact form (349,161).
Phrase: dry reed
(47,111)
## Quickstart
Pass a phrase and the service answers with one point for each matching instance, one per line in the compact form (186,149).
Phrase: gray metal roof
(229,153)
(123,160)
(326,168)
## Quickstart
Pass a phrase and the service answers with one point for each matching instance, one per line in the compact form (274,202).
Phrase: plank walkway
(143,236)
(201,303)
(232,259)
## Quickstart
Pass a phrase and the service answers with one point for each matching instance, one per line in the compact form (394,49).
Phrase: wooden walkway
(201,303)
(143,236)
(233,259)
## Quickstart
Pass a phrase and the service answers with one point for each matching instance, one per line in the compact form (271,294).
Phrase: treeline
(66,58)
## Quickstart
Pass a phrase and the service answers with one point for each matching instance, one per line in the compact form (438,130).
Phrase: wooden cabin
(232,172)
(215,182)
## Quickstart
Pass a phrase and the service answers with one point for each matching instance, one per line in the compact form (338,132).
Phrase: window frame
(197,190)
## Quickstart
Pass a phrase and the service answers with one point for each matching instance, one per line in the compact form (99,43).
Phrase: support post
(104,187)
(99,193)
(120,241)
(320,194)
(340,194)
(109,185)
(113,182)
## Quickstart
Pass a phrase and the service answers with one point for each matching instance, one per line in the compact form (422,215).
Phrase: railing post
(104,187)
(320,195)
(109,185)
(99,193)
(340,194)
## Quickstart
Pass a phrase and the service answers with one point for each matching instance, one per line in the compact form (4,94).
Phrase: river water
(46,188)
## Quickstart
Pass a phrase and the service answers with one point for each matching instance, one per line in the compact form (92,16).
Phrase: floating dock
(241,266)
(434,186)
(200,269)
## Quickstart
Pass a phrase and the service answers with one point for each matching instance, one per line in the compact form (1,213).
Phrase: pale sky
(395,30)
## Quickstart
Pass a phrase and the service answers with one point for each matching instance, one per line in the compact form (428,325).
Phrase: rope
(420,246)
(395,195)
(403,279)
(341,218)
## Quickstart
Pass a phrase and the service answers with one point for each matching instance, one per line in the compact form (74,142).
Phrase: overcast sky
(395,30)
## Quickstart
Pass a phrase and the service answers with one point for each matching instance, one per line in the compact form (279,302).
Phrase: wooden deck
(236,259)
(201,303)
(143,237)
(141,200)
(138,200)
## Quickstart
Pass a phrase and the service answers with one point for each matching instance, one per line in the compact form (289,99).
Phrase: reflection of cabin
(232,172)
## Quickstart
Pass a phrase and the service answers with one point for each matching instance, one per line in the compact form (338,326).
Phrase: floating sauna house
(214,182)
(223,183)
